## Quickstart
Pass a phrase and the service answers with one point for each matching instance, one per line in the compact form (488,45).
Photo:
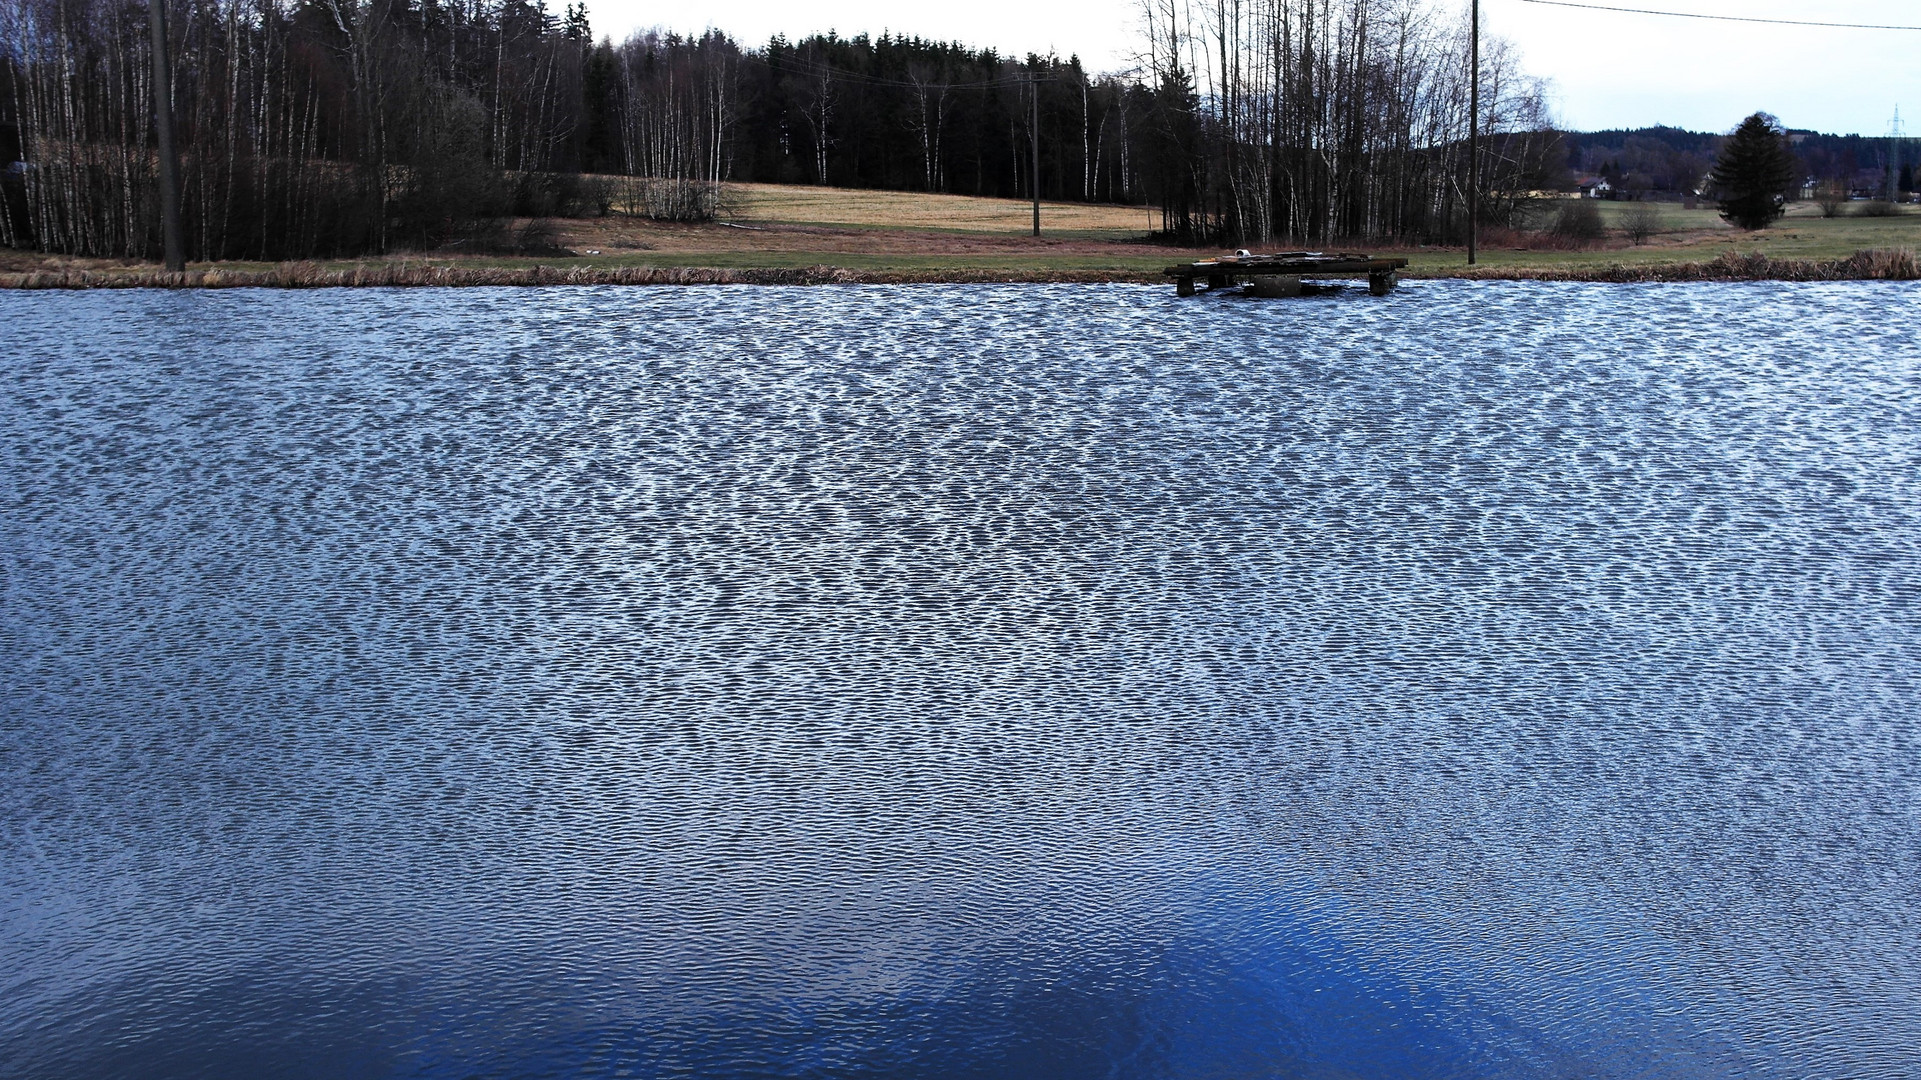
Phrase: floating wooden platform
(1280,273)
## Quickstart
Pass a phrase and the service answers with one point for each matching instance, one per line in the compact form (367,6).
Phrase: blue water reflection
(1494,680)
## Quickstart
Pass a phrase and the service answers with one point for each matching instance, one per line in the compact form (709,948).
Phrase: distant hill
(1668,159)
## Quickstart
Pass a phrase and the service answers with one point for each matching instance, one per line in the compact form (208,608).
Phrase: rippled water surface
(1494,680)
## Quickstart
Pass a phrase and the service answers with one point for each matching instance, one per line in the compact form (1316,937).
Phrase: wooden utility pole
(163,125)
(1034,139)
(1474,133)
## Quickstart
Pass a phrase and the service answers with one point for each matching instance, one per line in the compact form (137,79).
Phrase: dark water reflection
(1493,681)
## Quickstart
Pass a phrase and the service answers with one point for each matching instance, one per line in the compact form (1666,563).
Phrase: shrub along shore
(1888,264)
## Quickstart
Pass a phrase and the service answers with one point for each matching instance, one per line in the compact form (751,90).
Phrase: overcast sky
(1604,69)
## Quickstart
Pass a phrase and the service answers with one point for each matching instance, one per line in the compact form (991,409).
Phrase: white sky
(1605,70)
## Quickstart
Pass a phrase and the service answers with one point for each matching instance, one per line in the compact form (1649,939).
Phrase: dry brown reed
(307,275)
(1885,264)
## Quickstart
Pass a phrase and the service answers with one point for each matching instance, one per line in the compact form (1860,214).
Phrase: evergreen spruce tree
(1752,173)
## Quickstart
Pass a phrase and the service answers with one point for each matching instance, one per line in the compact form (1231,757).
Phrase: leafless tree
(1831,196)
(929,120)
(1640,220)
(1326,119)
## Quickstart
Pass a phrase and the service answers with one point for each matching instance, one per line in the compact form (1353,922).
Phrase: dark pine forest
(318,128)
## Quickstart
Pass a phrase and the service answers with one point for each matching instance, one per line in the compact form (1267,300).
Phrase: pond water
(1492,680)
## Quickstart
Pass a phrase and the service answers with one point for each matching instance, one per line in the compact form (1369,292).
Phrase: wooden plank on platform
(1244,265)
(1231,269)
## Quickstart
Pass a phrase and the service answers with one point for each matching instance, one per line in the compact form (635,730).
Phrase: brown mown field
(803,235)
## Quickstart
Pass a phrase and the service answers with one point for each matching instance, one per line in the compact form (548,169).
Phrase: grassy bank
(1877,265)
(405,273)
(800,235)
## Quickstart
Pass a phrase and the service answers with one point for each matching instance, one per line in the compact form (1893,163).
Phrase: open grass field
(1699,235)
(775,233)
(775,204)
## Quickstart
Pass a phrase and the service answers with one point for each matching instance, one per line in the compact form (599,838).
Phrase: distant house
(1594,187)
(1868,184)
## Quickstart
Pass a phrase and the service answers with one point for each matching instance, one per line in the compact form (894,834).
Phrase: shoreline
(1882,264)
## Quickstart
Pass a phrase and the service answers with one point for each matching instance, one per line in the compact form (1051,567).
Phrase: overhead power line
(1721,18)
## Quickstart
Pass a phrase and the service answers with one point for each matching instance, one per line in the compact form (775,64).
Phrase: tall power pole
(1474,133)
(1034,138)
(1896,133)
(163,125)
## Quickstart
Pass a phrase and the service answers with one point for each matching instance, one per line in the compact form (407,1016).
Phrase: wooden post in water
(163,125)
(1474,132)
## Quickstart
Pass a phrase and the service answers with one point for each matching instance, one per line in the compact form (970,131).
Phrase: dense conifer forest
(312,128)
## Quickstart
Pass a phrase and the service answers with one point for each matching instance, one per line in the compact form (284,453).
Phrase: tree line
(315,128)
(304,128)
(1333,119)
